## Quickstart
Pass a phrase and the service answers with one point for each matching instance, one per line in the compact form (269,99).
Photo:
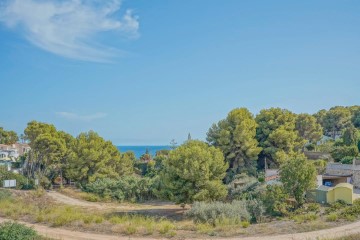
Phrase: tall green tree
(194,172)
(48,151)
(34,129)
(335,121)
(308,128)
(320,115)
(356,119)
(298,175)
(94,158)
(350,136)
(235,136)
(8,137)
(277,134)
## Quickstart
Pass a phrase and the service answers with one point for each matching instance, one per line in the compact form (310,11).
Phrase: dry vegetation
(350,237)
(37,207)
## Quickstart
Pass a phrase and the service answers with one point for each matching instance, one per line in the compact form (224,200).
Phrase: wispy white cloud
(69,27)
(79,117)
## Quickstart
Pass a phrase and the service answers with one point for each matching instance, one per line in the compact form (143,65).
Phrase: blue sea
(140,150)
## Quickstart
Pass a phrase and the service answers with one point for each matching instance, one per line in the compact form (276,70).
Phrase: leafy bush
(275,201)
(313,207)
(332,217)
(341,152)
(215,212)
(351,211)
(89,197)
(12,231)
(347,160)
(340,204)
(256,209)
(310,147)
(244,187)
(320,165)
(129,188)
(21,181)
(305,217)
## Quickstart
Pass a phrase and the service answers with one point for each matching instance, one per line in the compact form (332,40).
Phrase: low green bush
(338,205)
(129,188)
(16,231)
(21,181)
(340,152)
(347,160)
(313,207)
(305,217)
(212,213)
(332,217)
(256,209)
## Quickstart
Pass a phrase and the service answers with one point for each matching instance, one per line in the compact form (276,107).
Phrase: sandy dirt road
(64,234)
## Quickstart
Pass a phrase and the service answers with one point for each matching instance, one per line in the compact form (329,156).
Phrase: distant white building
(11,153)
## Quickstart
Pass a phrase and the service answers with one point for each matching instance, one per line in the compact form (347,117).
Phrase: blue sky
(145,72)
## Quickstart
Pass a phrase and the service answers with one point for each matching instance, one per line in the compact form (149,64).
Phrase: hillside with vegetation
(220,183)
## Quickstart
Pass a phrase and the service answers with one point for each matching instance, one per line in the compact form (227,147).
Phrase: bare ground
(155,208)
(58,233)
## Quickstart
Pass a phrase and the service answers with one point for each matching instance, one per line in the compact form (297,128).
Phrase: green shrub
(248,190)
(310,147)
(256,209)
(214,212)
(305,218)
(245,224)
(275,201)
(90,197)
(129,188)
(313,207)
(341,152)
(347,160)
(21,181)
(332,217)
(336,206)
(16,231)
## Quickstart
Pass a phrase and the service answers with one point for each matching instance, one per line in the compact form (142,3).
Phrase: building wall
(345,169)
(343,191)
(330,196)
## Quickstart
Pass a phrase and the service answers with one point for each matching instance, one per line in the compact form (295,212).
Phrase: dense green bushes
(16,231)
(216,212)
(340,152)
(129,188)
(347,160)
(21,181)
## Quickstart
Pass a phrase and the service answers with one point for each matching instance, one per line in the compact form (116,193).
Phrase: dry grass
(37,207)
(349,237)
(81,195)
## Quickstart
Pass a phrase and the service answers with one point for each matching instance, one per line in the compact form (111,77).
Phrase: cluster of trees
(82,159)
(237,149)
(276,135)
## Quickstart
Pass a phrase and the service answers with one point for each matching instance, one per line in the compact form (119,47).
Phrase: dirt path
(64,234)
(166,209)
(353,228)
(61,198)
